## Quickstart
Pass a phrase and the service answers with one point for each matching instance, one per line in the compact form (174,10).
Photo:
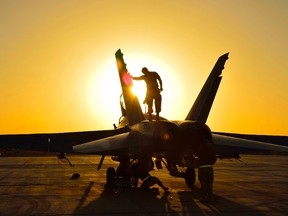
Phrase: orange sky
(58,70)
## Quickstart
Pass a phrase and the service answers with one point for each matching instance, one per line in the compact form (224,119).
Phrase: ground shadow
(134,202)
(154,203)
(221,206)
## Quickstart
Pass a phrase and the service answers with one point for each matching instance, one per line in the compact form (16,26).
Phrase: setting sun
(59,73)
(105,85)
(139,89)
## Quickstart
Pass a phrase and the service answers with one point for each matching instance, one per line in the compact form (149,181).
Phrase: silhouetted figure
(147,179)
(152,92)
(122,175)
(207,158)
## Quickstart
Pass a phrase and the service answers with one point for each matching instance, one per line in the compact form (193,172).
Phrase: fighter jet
(173,143)
(136,140)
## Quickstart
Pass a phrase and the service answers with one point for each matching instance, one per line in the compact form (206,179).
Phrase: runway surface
(43,186)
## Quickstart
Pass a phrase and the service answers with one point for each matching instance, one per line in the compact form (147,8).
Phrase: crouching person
(147,180)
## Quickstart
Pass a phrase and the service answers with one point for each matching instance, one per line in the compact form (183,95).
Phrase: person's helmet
(144,70)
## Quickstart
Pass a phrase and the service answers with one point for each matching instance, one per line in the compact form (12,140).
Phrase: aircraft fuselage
(177,141)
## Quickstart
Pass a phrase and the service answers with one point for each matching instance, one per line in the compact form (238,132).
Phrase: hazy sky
(58,70)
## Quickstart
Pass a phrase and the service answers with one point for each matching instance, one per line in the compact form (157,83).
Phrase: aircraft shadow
(127,203)
(159,203)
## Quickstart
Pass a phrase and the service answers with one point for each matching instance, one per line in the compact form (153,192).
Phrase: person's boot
(157,117)
(150,117)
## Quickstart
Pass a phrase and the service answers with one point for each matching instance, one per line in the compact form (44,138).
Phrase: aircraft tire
(110,174)
(190,176)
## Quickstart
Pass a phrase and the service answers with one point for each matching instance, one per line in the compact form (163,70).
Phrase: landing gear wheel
(110,174)
(190,176)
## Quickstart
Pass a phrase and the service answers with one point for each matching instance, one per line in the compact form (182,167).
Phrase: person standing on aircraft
(152,92)
(207,158)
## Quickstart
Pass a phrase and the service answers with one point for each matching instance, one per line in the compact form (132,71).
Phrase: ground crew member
(147,179)
(152,92)
(207,158)
(122,175)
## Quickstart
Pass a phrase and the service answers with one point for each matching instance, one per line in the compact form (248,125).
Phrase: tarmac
(44,186)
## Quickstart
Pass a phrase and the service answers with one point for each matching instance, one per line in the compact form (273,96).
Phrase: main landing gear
(110,177)
(189,175)
(119,183)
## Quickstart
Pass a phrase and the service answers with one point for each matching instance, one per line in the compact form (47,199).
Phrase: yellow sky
(58,70)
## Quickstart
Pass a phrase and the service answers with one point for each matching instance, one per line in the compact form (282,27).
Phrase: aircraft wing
(274,139)
(232,145)
(131,143)
(54,142)
(134,143)
(108,144)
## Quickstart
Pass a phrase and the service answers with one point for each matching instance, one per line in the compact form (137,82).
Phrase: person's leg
(149,102)
(203,182)
(210,185)
(158,182)
(158,101)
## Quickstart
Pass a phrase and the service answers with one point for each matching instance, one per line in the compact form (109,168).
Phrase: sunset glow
(59,73)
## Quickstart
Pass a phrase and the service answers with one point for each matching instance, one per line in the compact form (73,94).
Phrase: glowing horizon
(59,74)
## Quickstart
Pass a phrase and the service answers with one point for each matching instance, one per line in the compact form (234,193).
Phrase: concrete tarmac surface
(43,186)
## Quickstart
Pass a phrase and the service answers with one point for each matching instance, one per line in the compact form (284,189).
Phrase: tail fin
(133,108)
(201,107)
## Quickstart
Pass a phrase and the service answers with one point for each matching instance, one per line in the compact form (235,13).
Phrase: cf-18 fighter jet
(174,143)
(136,140)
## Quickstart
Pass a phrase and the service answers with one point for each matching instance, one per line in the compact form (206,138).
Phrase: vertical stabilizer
(201,107)
(133,108)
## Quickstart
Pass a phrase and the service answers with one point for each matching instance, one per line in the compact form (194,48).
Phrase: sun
(173,94)
(135,62)
(139,89)
(103,92)
(104,89)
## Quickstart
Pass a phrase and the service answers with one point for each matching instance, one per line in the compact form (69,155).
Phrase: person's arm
(138,78)
(160,82)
